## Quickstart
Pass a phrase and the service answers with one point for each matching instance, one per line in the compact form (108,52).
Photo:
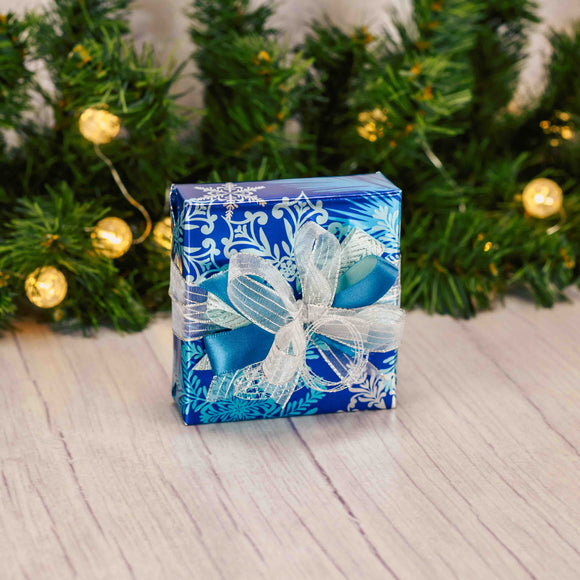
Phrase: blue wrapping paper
(212,222)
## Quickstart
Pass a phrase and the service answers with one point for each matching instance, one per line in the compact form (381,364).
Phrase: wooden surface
(475,474)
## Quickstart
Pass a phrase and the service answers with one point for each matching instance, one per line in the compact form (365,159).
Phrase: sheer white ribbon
(264,297)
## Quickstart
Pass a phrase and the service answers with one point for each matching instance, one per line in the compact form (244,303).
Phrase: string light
(46,287)
(162,234)
(112,237)
(99,127)
(542,198)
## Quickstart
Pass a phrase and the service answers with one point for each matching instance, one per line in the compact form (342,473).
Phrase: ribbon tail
(222,387)
(203,364)
(252,383)
(276,375)
(283,396)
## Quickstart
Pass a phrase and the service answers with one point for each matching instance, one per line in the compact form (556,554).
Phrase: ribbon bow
(265,352)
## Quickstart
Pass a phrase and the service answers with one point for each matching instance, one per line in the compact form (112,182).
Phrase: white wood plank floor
(476,474)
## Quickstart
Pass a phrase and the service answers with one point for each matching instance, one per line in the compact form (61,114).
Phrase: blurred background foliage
(429,102)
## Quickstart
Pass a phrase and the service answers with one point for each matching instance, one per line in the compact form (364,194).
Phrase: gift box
(285,297)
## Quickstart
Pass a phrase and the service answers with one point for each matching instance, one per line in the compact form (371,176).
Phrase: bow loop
(286,354)
(347,365)
(272,305)
(379,326)
(317,254)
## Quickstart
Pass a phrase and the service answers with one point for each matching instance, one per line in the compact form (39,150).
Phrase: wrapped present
(285,297)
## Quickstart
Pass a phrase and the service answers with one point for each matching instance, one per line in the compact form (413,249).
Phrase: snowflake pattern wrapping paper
(352,220)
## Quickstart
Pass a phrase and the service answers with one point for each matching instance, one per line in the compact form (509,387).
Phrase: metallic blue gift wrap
(279,292)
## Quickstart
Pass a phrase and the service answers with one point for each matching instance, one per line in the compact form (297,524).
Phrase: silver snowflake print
(230,195)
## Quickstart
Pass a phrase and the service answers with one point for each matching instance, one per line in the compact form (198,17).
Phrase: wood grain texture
(476,474)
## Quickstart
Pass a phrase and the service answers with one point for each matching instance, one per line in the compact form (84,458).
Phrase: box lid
(275,190)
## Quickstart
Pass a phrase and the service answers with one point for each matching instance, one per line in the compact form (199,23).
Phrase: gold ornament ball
(542,198)
(112,237)
(162,233)
(46,287)
(99,126)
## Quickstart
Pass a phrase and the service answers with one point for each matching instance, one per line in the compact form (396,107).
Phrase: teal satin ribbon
(361,285)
